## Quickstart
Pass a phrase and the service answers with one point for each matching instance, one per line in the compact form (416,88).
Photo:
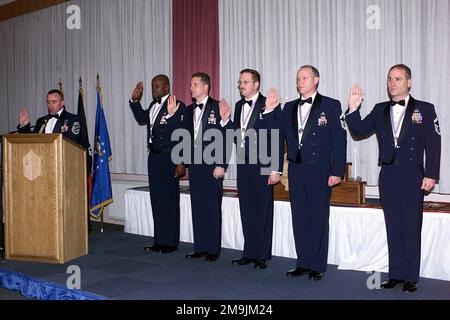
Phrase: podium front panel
(32,183)
(45,198)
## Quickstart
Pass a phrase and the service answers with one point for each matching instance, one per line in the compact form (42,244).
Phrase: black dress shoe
(155,247)
(212,257)
(409,287)
(260,264)
(297,272)
(243,261)
(194,255)
(168,249)
(315,275)
(391,283)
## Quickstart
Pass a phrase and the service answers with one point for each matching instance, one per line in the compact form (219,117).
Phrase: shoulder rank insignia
(436,126)
(76,128)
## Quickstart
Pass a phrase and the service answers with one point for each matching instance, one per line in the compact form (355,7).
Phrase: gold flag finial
(60,84)
(99,89)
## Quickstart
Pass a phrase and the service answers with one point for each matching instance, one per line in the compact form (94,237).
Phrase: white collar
(313,96)
(252,99)
(203,101)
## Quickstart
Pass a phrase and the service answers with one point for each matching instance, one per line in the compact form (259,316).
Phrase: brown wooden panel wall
(21,7)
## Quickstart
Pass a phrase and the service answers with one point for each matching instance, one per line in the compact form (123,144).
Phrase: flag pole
(81,87)
(87,181)
(101,220)
(101,102)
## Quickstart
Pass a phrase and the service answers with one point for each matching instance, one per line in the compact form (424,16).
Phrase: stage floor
(357,237)
(117,267)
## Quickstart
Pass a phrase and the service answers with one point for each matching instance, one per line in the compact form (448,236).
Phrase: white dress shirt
(52,122)
(153,114)
(303,115)
(397,116)
(198,115)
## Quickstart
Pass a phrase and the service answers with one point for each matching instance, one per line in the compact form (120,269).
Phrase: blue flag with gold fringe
(101,183)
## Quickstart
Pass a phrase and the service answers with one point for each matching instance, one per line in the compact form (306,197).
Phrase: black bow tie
(157,100)
(309,100)
(249,102)
(401,102)
(53,116)
(200,106)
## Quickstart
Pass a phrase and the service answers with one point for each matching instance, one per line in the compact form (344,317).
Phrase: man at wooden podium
(58,120)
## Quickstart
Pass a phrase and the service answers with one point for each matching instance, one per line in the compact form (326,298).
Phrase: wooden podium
(45,198)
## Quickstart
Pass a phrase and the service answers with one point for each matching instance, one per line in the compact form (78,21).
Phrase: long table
(357,239)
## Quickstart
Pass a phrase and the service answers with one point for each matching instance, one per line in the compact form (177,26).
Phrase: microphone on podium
(13,132)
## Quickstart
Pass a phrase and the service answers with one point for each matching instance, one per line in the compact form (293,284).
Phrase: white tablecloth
(357,238)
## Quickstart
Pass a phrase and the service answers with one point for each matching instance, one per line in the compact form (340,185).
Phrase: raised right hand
(138,91)
(225,110)
(272,100)
(24,118)
(356,98)
(172,105)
